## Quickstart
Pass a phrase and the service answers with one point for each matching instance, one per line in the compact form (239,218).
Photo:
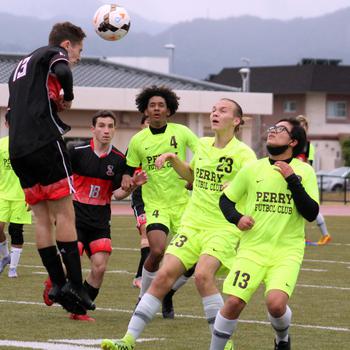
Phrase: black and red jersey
(95,178)
(33,122)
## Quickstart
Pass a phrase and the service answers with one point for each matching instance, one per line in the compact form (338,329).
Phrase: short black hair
(297,133)
(171,99)
(103,114)
(65,31)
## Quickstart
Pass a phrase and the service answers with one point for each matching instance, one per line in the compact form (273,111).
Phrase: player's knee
(234,306)
(163,280)
(276,308)
(202,279)
(16,233)
(157,253)
(99,269)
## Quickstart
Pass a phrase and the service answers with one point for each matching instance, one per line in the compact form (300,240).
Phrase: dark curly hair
(171,99)
(297,133)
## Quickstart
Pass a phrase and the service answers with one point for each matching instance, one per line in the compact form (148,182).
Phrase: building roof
(296,79)
(99,72)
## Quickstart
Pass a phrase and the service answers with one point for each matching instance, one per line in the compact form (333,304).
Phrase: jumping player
(164,195)
(98,168)
(205,237)
(281,192)
(40,160)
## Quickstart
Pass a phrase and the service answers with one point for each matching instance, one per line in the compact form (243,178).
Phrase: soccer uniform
(38,154)
(204,229)
(272,251)
(13,207)
(308,154)
(95,178)
(164,194)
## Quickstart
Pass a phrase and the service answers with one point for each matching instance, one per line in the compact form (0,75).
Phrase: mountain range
(203,46)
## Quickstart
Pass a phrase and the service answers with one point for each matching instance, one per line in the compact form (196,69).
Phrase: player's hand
(245,223)
(139,178)
(284,169)
(127,182)
(163,158)
(63,105)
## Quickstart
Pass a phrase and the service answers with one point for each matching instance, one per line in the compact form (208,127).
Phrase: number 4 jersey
(95,178)
(164,187)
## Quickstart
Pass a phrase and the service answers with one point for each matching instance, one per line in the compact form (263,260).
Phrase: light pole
(171,48)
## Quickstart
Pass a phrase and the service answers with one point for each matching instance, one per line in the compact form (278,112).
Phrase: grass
(320,303)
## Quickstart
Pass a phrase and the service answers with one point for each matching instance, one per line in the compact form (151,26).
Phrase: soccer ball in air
(111,22)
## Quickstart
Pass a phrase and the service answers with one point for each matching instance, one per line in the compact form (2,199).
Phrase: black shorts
(46,173)
(138,210)
(94,240)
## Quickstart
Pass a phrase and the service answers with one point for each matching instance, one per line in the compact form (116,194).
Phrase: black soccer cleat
(167,306)
(283,345)
(78,295)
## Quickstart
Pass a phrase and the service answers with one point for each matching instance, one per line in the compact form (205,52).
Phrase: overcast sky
(177,10)
(180,10)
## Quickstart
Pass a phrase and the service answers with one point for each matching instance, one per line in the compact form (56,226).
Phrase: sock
(4,249)
(53,264)
(322,224)
(281,325)
(15,256)
(212,304)
(92,291)
(179,282)
(144,312)
(71,259)
(147,278)
(144,254)
(223,330)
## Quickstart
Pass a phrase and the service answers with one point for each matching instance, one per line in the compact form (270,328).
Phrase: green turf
(318,304)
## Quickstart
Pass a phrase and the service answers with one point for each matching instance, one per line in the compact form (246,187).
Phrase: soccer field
(320,304)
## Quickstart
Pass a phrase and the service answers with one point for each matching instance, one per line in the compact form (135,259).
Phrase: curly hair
(171,99)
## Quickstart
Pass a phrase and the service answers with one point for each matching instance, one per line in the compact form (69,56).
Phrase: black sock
(190,271)
(92,291)
(70,256)
(53,264)
(144,255)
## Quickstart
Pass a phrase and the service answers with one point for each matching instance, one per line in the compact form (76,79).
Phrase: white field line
(328,261)
(313,270)
(329,328)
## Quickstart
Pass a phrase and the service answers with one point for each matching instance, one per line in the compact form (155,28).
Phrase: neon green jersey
(311,156)
(213,168)
(164,188)
(279,227)
(10,188)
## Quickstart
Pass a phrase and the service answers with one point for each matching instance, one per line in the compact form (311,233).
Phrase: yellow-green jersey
(10,188)
(311,156)
(212,169)
(164,187)
(279,227)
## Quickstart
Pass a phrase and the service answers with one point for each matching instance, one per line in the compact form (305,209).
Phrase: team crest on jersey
(299,177)
(110,171)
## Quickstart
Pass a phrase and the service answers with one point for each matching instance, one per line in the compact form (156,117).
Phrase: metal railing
(334,188)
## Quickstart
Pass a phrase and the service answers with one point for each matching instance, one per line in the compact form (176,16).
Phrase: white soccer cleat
(12,272)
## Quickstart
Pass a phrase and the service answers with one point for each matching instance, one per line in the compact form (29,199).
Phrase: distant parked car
(335,179)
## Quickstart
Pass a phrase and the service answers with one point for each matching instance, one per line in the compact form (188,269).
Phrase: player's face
(74,52)
(104,130)
(157,111)
(279,134)
(222,116)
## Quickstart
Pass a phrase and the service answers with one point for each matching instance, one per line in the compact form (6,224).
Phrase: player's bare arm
(181,167)
(138,179)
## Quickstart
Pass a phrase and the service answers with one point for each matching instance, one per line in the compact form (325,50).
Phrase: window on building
(337,109)
(289,106)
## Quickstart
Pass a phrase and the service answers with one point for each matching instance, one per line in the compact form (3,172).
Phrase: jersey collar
(103,155)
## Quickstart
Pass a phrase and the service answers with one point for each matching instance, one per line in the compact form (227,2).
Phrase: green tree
(346,151)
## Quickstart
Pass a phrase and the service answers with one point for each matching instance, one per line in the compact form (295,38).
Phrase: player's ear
(65,44)
(293,143)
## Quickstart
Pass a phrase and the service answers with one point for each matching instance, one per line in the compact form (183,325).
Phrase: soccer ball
(111,22)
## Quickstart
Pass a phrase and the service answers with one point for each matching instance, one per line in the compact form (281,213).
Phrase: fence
(334,188)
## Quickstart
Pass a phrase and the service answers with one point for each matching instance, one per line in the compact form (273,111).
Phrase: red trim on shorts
(80,248)
(55,191)
(101,245)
